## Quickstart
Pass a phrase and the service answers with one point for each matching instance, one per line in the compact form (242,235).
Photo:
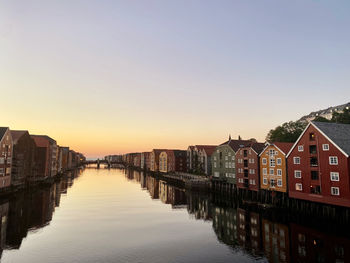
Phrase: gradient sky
(107,77)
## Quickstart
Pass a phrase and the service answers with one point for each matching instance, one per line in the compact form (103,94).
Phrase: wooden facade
(273,167)
(247,166)
(319,167)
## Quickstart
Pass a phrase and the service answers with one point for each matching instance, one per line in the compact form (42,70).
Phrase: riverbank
(6,192)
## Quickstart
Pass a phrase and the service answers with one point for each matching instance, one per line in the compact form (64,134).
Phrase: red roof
(209,149)
(284,146)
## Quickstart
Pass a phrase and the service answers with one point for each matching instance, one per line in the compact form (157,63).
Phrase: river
(101,215)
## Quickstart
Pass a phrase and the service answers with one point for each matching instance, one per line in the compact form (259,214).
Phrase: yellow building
(273,168)
(163,162)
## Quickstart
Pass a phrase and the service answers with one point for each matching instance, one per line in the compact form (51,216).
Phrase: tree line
(290,131)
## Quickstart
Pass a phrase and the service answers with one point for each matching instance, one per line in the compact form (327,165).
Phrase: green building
(224,160)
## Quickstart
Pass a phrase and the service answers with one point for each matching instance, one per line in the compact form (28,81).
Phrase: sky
(108,77)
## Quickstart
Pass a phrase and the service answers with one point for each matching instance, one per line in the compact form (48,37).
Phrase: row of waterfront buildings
(27,159)
(315,168)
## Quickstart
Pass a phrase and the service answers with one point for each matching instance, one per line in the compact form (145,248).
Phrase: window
(279,172)
(272,182)
(325,147)
(264,171)
(265,181)
(279,161)
(2,160)
(314,175)
(313,161)
(315,189)
(272,171)
(226,158)
(272,162)
(313,149)
(264,161)
(298,187)
(334,176)
(333,160)
(214,158)
(297,174)
(296,160)
(300,148)
(335,190)
(279,182)
(312,136)
(272,152)
(214,164)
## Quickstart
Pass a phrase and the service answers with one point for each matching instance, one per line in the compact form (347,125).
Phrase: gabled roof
(17,134)
(236,144)
(52,141)
(338,134)
(258,147)
(208,149)
(284,146)
(2,132)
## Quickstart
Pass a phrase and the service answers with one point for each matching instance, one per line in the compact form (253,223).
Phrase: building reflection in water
(31,210)
(255,233)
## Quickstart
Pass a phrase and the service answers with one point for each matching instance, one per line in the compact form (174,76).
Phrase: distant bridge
(98,162)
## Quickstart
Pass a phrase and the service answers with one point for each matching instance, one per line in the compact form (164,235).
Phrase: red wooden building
(247,166)
(319,164)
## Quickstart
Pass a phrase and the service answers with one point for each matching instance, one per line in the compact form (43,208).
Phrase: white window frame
(279,172)
(279,182)
(300,186)
(334,176)
(335,188)
(279,161)
(296,172)
(264,171)
(295,160)
(300,148)
(335,158)
(273,171)
(325,147)
(272,162)
(265,182)
(264,161)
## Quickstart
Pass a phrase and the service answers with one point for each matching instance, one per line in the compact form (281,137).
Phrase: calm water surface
(125,216)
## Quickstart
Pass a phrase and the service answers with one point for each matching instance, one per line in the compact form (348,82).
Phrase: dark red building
(23,158)
(247,166)
(319,164)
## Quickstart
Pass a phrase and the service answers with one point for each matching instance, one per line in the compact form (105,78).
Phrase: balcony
(313,149)
(245,163)
(313,162)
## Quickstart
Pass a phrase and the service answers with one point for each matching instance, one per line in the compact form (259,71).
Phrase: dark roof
(236,144)
(258,147)
(338,133)
(16,135)
(2,131)
(284,146)
(209,149)
(46,137)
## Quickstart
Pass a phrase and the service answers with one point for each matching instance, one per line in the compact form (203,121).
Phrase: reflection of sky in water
(106,218)
(125,216)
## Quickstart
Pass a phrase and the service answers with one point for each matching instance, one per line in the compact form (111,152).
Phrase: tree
(321,119)
(342,117)
(287,132)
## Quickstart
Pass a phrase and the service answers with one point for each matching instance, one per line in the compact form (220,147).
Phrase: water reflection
(262,235)
(245,232)
(31,210)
